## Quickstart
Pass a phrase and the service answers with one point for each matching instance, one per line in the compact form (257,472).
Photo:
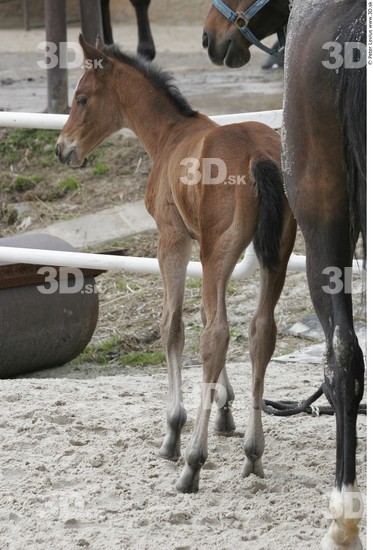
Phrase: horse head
(233,26)
(91,119)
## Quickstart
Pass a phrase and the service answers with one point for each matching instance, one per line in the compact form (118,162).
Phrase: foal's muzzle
(68,155)
(58,152)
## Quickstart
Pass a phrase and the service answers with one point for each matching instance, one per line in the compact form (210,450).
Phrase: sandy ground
(79,455)
(80,465)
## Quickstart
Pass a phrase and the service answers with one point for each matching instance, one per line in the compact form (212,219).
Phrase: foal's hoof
(224,423)
(188,481)
(169,455)
(252,467)
(170,449)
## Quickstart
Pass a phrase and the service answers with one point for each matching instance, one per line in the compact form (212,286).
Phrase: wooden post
(91,20)
(55,26)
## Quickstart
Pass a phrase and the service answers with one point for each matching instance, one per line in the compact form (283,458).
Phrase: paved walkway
(211,89)
(104,226)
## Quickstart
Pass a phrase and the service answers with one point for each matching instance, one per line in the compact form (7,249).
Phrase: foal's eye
(81,100)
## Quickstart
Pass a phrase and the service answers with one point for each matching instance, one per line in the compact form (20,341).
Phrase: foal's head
(115,90)
(94,113)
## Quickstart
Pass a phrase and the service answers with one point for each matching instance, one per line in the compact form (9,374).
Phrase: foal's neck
(149,112)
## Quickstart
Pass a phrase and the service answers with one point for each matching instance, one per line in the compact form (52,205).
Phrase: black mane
(158,77)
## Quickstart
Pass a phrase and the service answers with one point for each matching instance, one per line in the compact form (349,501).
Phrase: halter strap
(242,18)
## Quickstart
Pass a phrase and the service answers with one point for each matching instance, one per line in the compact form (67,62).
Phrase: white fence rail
(129,263)
(56,122)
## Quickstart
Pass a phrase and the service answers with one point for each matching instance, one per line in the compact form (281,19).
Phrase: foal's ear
(93,57)
(99,45)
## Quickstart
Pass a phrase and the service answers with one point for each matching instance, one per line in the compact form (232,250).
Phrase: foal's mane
(157,76)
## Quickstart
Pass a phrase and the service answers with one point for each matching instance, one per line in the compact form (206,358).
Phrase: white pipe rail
(56,122)
(106,262)
(248,265)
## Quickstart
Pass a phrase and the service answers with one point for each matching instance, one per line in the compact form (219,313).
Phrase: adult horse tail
(269,186)
(350,83)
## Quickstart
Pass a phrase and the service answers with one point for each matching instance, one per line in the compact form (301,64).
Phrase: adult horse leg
(263,333)
(106,23)
(318,180)
(329,253)
(146,45)
(174,247)
(319,198)
(224,397)
(344,385)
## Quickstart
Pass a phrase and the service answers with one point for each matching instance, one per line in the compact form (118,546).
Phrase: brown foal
(221,185)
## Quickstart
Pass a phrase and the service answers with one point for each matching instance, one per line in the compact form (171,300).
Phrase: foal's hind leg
(217,268)
(263,333)
(173,255)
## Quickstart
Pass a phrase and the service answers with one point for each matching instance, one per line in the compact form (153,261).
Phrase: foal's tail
(352,106)
(269,186)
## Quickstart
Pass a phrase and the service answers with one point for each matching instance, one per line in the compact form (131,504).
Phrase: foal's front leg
(173,255)
(224,397)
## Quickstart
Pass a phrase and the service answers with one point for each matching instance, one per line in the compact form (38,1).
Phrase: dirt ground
(79,456)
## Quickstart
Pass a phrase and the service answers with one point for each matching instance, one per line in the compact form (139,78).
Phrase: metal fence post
(55,26)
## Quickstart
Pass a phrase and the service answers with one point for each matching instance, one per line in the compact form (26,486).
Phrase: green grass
(100,169)
(9,215)
(123,286)
(13,146)
(25,183)
(236,334)
(232,289)
(193,283)
(65,186)
(114,349)
(142,359)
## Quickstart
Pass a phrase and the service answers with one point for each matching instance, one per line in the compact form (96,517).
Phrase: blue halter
(242,18)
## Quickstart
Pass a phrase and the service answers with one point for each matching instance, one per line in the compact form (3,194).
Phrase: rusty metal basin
(47,315)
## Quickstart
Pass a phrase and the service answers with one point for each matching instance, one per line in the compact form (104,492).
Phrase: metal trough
(47,315)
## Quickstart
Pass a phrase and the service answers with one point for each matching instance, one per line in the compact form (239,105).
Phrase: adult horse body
(189,198)
(324,161)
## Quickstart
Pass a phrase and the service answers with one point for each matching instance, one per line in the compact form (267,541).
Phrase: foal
(190,199)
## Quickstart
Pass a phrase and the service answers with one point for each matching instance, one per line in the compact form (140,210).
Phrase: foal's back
(209,177)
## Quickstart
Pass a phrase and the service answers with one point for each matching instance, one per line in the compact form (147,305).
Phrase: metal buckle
(241,20)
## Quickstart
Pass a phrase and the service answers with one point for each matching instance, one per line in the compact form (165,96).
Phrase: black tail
(269,186)
(352,108)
